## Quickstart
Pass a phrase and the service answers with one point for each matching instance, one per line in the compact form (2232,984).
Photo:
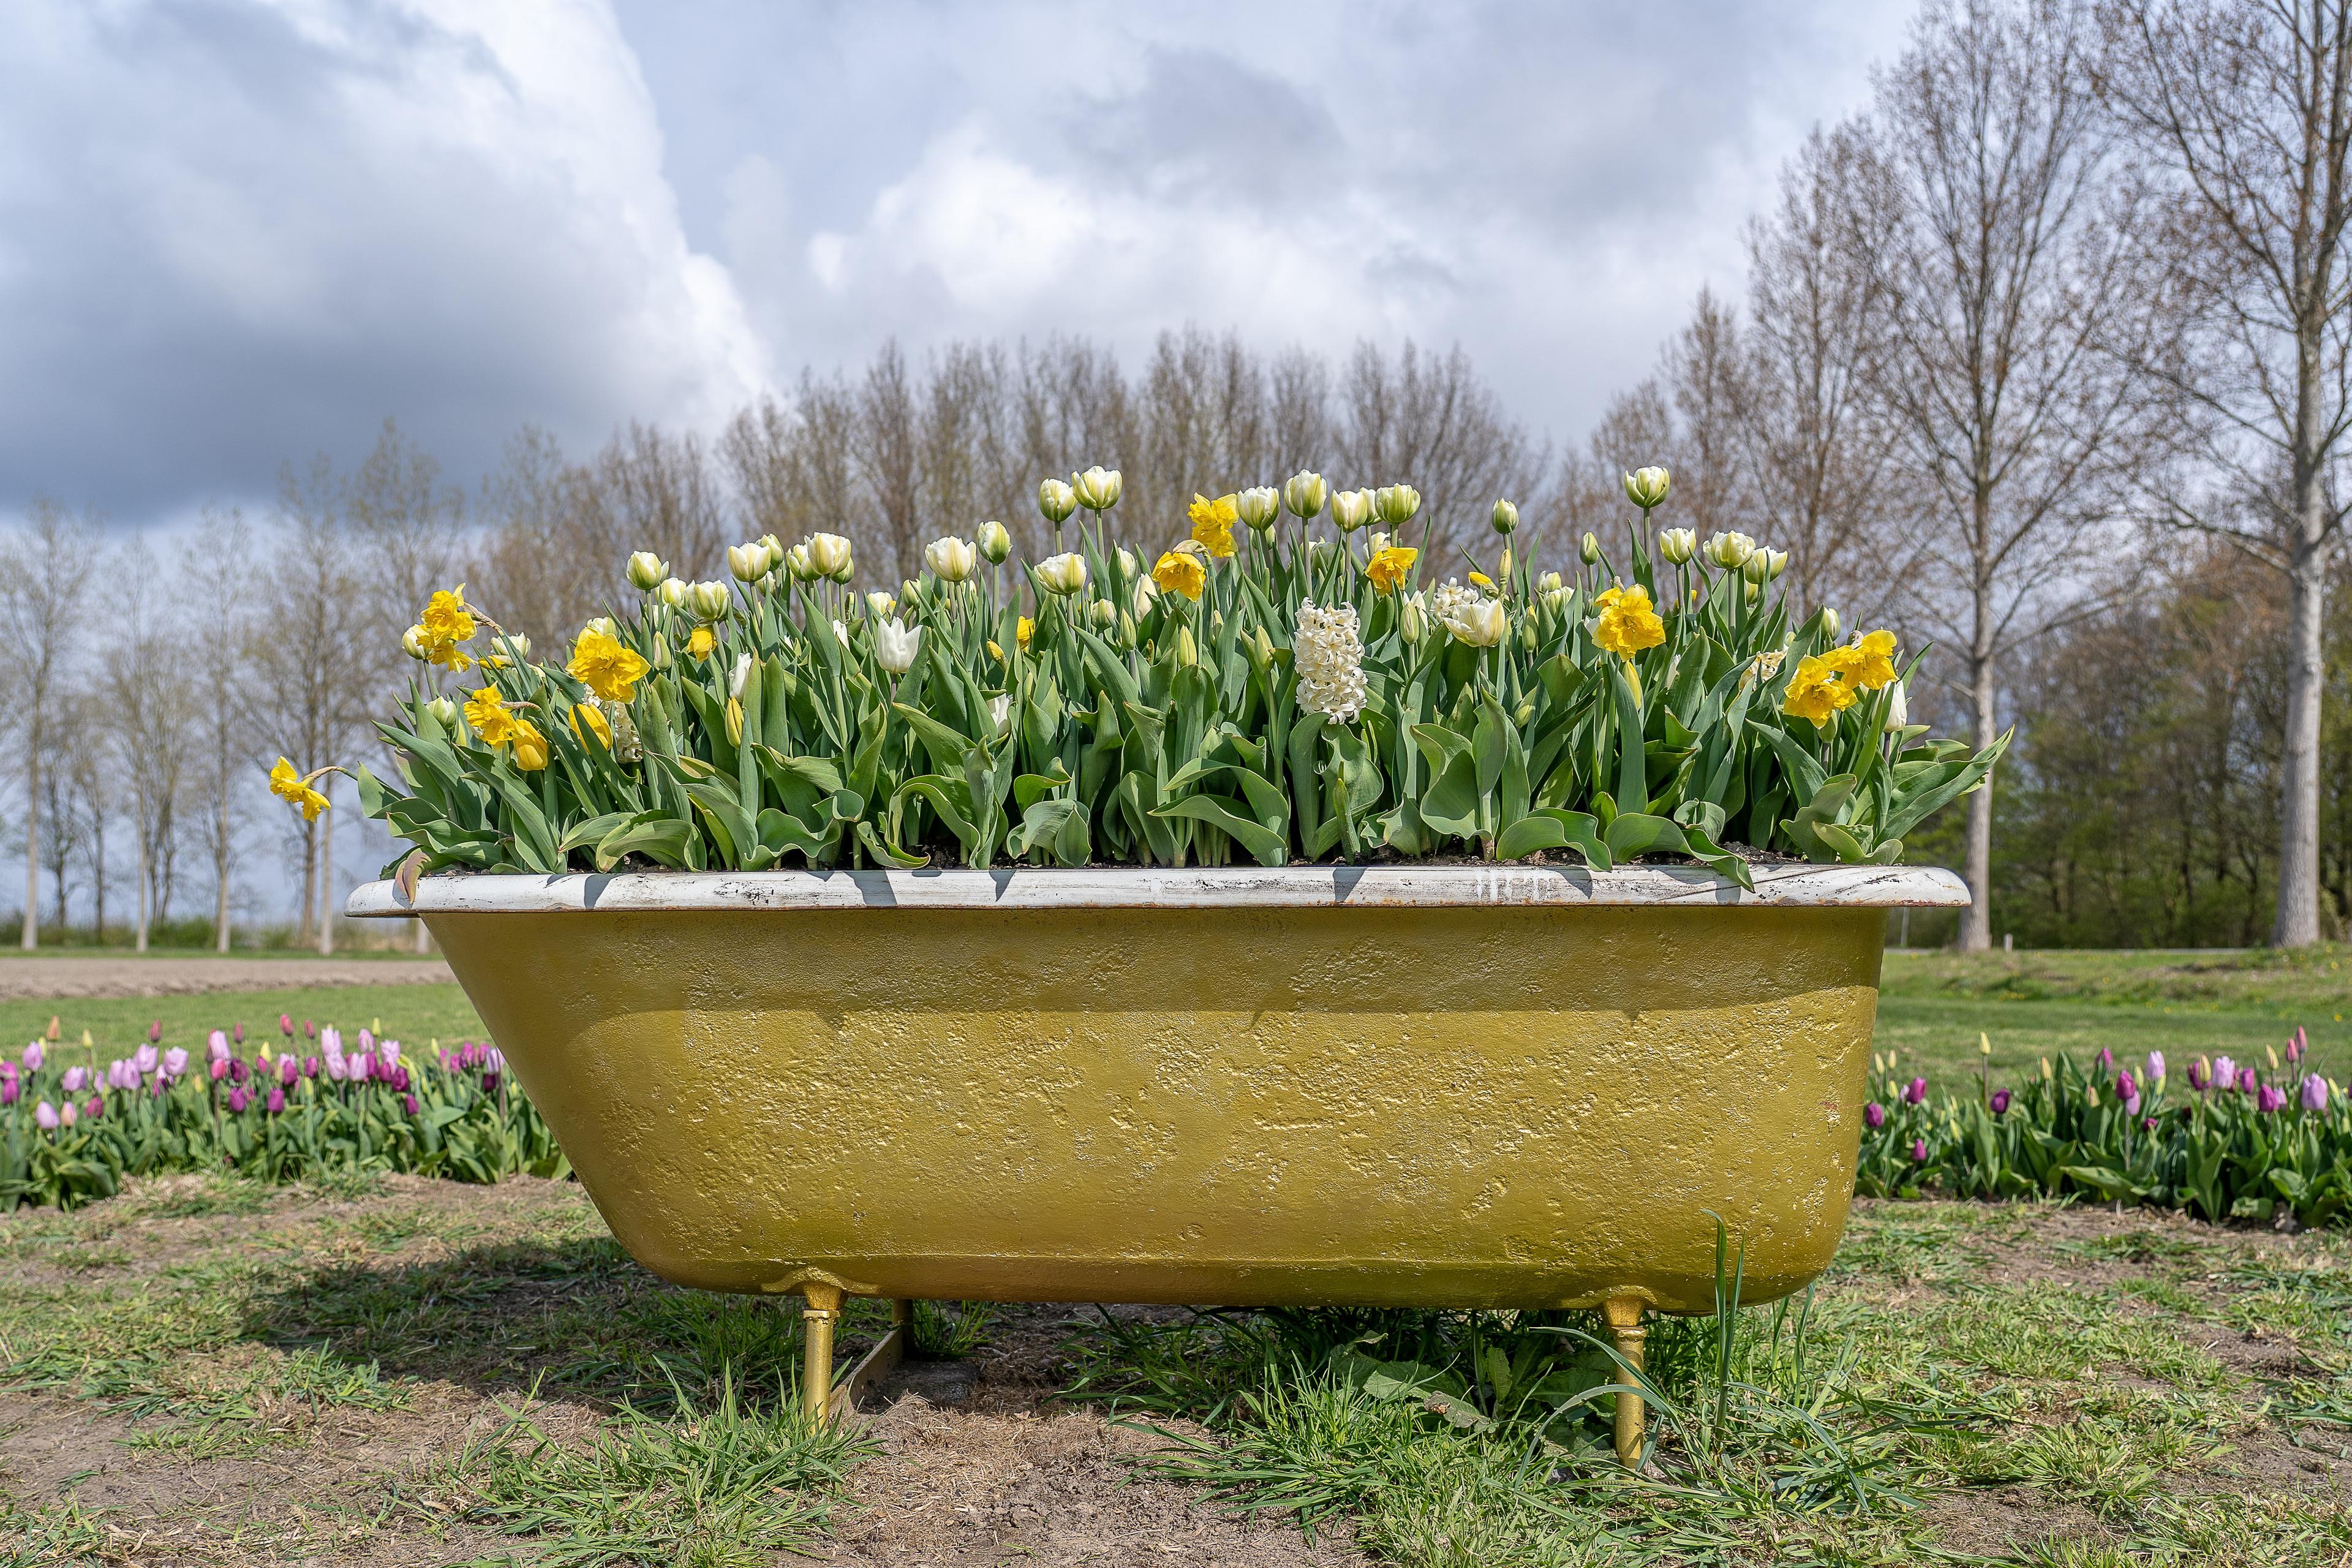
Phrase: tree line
(2041,356)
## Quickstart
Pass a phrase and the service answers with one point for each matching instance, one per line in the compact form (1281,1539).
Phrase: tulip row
(2231,1141)
(1280,685)
(71,1134)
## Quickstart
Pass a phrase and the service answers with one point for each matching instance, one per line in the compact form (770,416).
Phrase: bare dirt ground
(42,978)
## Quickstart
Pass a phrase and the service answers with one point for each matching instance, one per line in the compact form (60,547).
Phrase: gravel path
(40,979)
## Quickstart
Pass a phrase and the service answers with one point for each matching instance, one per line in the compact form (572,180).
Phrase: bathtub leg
(1625,1328)
(824,1309)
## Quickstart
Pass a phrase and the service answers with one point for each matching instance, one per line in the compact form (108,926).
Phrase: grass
(1933,1005)
(118,1024)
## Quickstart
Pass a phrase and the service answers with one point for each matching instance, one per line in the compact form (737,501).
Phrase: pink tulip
(45,1115)
(2267,1099)
(32,1058)
(237,1034)
(2315,1092)
(216,1045)
(310,1030)
(2106,1059)
(75,1078)
(2297,1045)
(367,1040)
(155,1032)
(286,1024)
(338,1069)
(276,1102)
(1919,1151)
(176,1062)
(408,1103)
(94,1107)
(219,1071)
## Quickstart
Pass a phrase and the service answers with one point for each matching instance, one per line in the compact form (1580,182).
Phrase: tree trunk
(2298,890)
(326,873)
(220,870)
(1976,922)
(139,939)
(33,839)
(310,930)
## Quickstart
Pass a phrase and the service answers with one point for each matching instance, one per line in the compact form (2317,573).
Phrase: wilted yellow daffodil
(1026,629)
(529,746)
(1180,572)
(1815,692)
(700,641)
(295,790)
(606,666)
(1390,565)
(489,717)
(1627,624)
(1212,525)
(587,720)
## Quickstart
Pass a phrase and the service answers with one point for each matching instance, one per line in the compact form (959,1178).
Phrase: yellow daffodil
(489,717)
(445,618)
(295,790)
(1816,693)
(1212,525)
(1180,572)
(587,722)
(700,641)
(995,652)
(529,746)
(1868,664)
(1628,623)
(606,666)
(1026,629)
(1390,565)
(1483,580)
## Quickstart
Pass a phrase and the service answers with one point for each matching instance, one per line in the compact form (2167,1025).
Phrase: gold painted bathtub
(1464,1086)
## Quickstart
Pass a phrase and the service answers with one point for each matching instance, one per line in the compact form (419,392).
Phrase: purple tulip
(155,1032)
(408,1103)
(2156,1067)
(276,1102)
(490,1084)
(2124,1088)
(146,1057)
(236,1069)
(2315,1092)
(94,1107)
(2106,1059)
(176,1062)
(331,1039)
(2247,1080)
(216,1045)
(309,1067)
(493,1058)
(288,1070)
(2001,1102)
(32,1056)
(1919,1151)
(2149,1125)
(75,1078)
(2131,1106)
(236,1101)
(2225,1073)
(45,1115)
(400,1079)
(1916,1092)
(2267,1099)
(338,1069)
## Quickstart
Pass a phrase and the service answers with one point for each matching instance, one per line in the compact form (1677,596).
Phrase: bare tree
(216,568)
(2248,105)
(45,574)
(888,447)
(2009,282)
(1433,421)
(148,692)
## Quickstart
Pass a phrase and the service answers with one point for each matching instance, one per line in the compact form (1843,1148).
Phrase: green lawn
(414,1014)
(1932,1007)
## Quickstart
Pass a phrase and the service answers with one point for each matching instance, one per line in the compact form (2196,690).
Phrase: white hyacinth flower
(1330,660)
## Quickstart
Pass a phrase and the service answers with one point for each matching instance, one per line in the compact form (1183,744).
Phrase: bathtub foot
(822,1311)
(1624,1314)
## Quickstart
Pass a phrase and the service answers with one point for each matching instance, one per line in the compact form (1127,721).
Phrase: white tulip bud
(1056,500)
(1304,493)
(741,676)
(1898,707)
(1395,504)
(1127,562)
(444,710)
(1103,614)
(952,560)
(710,601)
(1646,488)
(1505,517)
(1351,510)
(520,642)
(603,625)
(775,549)
(1729,550)
(895,646)
(1000,709)
(880,603)
(1757,568)
(1830,623)
(1063,573)
(1146,590)
(412,641)
(1260,506)
(647,569)
(1097,488)
(1188,651)
(995,541)
(669,591)
(1678,545)
(797,564)
(1779,564)
(1588,549)
(829,556)
(747,562)
(1412,616)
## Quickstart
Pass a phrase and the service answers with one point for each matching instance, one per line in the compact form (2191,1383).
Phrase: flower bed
(73,1133)
(1281,686)
(2233,1141)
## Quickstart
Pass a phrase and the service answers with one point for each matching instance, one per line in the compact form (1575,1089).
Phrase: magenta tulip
(2247,1080)
(2001,1102)
(9,1089)
(276,1102)
(310,1030)
(2267,1099)
(1916,1092)
(408,1103)
(2106,1059)
(1919,1151)
(219,1071)
(288,1070)
(1874,1115)
(309,1067)
(94,1107)
(2298,1044)
(237,1101)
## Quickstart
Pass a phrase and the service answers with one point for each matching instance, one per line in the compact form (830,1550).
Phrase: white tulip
(1678,545)
(1304,493)
(444,710)
(895,646)
(1830,623)
(840,633)
(1646,488)
(1097,488)
(669,591)
(1000,709)
(1779,564)
(1063,573)
(1730,549)
(1395,504)
(829,556)
(798,565)
(880,603)
(1505,517)
(995,541)
(1056,500)
(710,601)
(1351,510)
(775,549)
(413,641)
(1146,590)
(735,682)
(747,562)
(1898,708)
(952,560)
(1480,623)
(646,569)
(1260,506)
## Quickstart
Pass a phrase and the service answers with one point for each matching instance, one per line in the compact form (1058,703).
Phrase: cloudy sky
(234,232)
